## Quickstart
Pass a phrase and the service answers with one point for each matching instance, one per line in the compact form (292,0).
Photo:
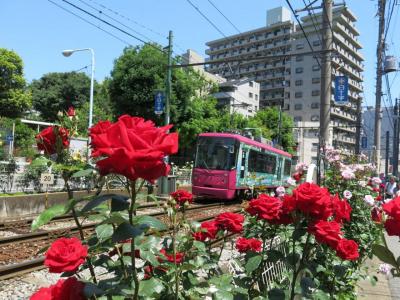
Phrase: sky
(38,30)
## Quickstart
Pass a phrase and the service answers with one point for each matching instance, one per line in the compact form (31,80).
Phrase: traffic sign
(9,138)
(341,90)
(46,178)
(159,102)
(364,142)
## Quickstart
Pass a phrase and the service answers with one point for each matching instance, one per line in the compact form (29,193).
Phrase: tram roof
(247,141)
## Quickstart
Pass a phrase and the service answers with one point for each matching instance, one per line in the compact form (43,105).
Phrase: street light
(68,53)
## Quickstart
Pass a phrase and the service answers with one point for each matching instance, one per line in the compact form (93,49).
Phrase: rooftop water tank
(390,64)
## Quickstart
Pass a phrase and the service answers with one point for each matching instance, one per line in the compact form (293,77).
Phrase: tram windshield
(216,153)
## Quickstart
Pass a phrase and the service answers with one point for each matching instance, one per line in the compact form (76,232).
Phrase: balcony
(341,114)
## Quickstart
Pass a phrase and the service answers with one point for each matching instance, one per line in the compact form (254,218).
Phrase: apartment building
(272,39)
(295,82)
(239,96)
(304,93)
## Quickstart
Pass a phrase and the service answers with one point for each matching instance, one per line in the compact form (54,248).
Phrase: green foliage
(24,138)
(14,100)
(55,92)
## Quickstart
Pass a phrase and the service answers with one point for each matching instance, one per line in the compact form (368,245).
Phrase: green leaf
(339,270)
(115,218)
(46,216)
(384,255)
(275,255)
(150,257)
(82,173)
(222,295)
(119,203)
(150,221)
(152,198)
(298,233)
(104,232)
(100,199)
(40,162)
(253,263)
(307,285)
(91,290)
(276,294)
(126,231)
(150,288)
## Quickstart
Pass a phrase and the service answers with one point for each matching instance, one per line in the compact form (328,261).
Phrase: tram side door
(243,162)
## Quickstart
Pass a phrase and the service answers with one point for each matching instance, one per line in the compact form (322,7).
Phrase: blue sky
(39,30)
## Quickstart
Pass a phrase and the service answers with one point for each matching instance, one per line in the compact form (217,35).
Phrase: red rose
(182,196)
(313,200)
(265,207)
(65,255)
(71,112)
(392,227)
(133,147)
(347,249)
(208,229)
(52,139)
(230,221)
(342,209)
(42,294)
(170,257)
(392,208)
(297,176)
(378,198)
(376,215)
(326,232)
(244,245)
(69,289)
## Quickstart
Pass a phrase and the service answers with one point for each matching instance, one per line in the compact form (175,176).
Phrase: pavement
(387,287)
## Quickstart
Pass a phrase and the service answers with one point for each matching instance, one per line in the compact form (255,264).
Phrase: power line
(391,10)
(312,15)
(113,26)
(205,17)
(115,20)
(98,27)
(302,29)
(226,18)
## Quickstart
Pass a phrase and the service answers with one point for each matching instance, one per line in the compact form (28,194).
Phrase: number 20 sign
(46,178)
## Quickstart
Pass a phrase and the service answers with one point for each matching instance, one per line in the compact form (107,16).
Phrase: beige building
(295,82)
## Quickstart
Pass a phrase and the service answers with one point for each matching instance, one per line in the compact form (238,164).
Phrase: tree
(55,92)
(139,72)
(268,120)
(14,99)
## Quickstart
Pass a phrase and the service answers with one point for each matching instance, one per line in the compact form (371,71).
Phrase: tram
(229,166)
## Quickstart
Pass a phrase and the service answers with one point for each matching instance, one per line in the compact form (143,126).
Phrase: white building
(239,96)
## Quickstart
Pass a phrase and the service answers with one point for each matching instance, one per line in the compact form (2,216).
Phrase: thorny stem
(121,259)
(132,212)
(78,224)
(174,252)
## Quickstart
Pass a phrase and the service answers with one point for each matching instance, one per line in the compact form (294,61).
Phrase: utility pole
(326,72)
(378,93)
(164,188)
(387,154)
(358,126)
(395,152)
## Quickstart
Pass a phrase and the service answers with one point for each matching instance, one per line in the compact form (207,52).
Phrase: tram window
(262,162)
(286,168)
(216,153)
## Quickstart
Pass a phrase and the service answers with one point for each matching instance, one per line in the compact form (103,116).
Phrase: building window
(299,70)
(315,93)
(315,118)
(298,82)
(316,80)
(251,83)
(316,43)
(250,95)
(314,147)
(315,68)
(297,119)
(299,58)
(298,94)
(298,106)
(299,46)
(315,105)
(256,97)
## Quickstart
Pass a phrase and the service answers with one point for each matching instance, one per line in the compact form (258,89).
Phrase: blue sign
(341,90)
(364,142)
(9,138)
(159,103)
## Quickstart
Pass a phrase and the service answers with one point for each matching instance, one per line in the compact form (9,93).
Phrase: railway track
(27,266)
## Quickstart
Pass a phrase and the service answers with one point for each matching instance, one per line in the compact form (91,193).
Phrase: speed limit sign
(47,178)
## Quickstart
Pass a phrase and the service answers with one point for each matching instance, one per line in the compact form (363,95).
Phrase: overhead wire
(222,14)
(86,21)
(113,26)
(302,29)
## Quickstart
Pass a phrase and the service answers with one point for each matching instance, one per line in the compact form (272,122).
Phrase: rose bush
(52,139)
(319,239)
